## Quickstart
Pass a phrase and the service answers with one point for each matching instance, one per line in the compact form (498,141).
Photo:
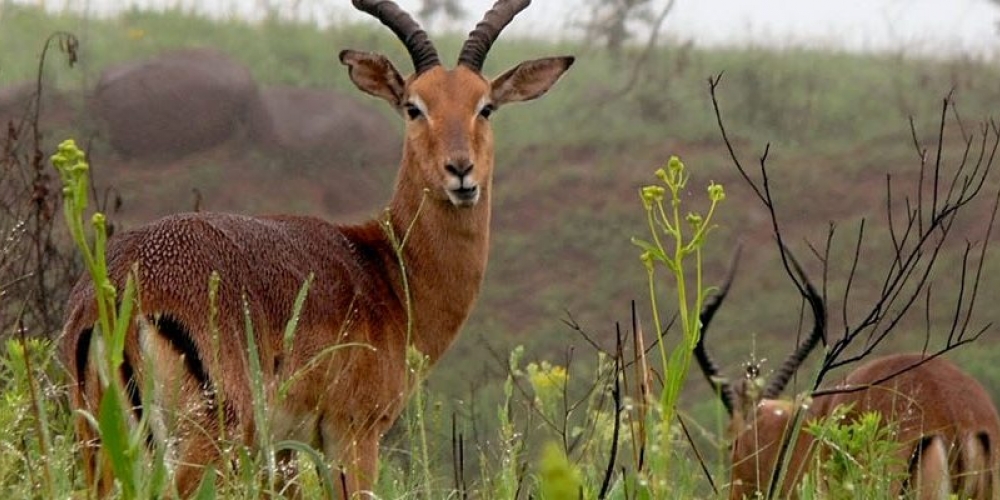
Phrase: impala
(946,426)
(369,296)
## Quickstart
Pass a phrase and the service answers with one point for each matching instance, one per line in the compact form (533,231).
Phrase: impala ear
(529,80)
(375,75)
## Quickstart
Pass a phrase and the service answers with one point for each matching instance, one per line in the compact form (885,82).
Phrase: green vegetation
(670,246)
(861,457)
(123,444)
(565,213)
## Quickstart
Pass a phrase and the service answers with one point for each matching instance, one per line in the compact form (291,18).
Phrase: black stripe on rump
(181,340)
(83,355)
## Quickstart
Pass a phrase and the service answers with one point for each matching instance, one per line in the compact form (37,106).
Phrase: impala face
(448,145)
(447,117)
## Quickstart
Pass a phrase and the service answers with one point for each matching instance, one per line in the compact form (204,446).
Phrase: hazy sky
(918,26)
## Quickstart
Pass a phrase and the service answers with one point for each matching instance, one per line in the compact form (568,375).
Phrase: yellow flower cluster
(545,377)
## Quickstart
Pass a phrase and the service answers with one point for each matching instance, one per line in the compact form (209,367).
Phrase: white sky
(915,26)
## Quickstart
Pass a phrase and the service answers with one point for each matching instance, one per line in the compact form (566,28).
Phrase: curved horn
(780,379)
(481,39)
(415,39)
(708,367)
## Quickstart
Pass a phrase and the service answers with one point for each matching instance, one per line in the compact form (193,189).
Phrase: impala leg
(96,467)
(991,479)
(362,466)
(974,478)
(194,459)
(931,477)
(197,445)
(86,396)
(183,412)
(201,449)
(357,459)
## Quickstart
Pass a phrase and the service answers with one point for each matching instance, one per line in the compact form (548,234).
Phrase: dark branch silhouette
(918,233)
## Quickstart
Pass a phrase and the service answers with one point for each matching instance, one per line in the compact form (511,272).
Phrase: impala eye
(413,111)
(486,111)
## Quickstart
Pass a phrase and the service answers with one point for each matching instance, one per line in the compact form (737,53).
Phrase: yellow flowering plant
(673,239)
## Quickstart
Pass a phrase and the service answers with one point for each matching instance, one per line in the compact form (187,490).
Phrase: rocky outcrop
(323,128)
(174,104)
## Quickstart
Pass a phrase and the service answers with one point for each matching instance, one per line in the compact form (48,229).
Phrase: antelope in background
(340,401)
(946,425)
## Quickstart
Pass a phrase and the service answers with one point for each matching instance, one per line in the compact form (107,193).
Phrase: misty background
(926,27)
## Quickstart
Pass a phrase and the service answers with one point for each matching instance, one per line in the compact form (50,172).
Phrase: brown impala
(947,426)
(339,400)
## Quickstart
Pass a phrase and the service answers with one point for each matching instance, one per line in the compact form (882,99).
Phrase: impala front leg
(356,465)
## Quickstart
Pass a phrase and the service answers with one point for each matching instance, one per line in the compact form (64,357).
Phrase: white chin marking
(464,197)
(460,200)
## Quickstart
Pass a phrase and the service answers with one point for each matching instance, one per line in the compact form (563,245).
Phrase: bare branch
(916,240)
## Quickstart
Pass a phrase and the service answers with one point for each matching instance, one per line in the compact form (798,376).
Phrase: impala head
(759,419)
(752,396)
(448,145)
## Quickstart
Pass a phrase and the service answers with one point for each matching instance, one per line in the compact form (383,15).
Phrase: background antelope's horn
(708,367)
(415,39)
(481,39)
(780,379)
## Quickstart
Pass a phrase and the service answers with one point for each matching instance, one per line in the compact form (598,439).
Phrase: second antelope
(369,296)
(946,426)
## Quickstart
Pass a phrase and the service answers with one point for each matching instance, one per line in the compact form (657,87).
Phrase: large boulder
(323,129)
(176,103)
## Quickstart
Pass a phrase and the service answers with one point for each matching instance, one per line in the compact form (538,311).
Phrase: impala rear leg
(184,412)
(930,476)
(86,393)
(975,477)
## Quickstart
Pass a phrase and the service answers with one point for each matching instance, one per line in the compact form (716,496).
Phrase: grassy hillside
(569,170)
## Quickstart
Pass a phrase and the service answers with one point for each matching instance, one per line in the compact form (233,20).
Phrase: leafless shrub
(37,267)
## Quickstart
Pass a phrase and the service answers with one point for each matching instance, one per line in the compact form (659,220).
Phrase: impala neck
(445,255)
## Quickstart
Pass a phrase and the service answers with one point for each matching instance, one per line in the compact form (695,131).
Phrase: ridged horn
(780,379)
(415,39)
(708,367)
(481,39)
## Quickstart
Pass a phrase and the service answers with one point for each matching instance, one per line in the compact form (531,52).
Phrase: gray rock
(324,128)
(174,104)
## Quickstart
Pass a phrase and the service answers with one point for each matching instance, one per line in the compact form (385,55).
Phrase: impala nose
(459,168)
(462,188)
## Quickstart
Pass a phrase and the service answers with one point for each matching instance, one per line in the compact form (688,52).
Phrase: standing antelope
(945,423)
(338,400)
